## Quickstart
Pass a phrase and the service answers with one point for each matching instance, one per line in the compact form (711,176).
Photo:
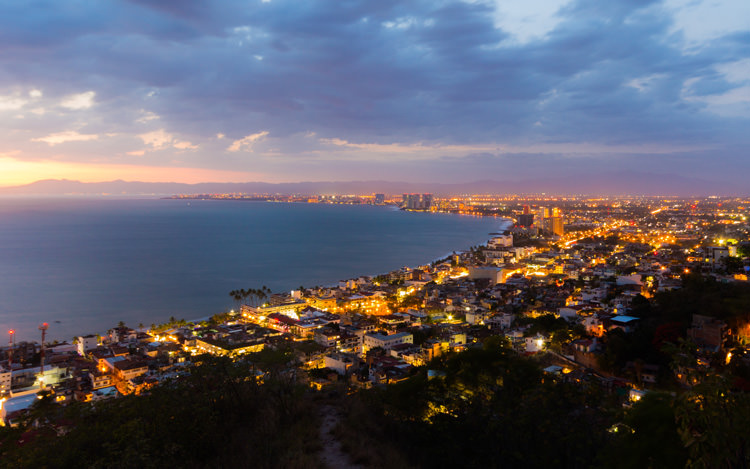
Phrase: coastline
(95,297)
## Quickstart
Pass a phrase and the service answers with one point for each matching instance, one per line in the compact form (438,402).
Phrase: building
(554,225)
(86,343)
(708,332)
(5,379)
(417,201)
(501,240)
(15,406)
(226,348)
(341,363)
(129,369)
(379,199)
(373,340)
(526,220)
(494,274)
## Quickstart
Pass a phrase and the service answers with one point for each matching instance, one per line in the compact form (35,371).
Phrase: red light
(11,332)
(45,324)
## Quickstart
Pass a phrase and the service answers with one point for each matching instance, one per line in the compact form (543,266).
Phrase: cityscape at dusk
(368,234)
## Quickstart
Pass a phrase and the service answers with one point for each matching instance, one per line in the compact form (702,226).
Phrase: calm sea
(83,265)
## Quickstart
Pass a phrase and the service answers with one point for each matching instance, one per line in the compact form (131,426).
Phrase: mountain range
(612,184)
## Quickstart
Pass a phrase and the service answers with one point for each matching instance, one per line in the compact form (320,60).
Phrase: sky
(420,91)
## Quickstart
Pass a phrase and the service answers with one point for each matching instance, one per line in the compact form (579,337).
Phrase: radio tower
(42,328)
(10,353)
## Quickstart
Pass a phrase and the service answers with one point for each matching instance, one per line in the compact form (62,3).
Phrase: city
(628,296)
(368,234)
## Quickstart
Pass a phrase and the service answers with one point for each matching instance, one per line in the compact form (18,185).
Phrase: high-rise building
(379,199)
(526,220)
(417,201)
(541,214)
(414,202)
(555,225)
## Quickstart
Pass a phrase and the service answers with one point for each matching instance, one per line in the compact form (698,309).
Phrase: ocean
(84,264)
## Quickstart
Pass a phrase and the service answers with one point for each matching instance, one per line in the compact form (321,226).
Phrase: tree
(640,306)
(732,264)
(647,436)
(712,423)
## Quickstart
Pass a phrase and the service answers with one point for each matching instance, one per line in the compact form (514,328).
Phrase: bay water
(84,264)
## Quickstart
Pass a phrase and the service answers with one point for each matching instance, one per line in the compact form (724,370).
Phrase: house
(373,340)
(14,407)
(626,323)
(129,369)
(708,332)
(86,343)
(341,363)
(104,393)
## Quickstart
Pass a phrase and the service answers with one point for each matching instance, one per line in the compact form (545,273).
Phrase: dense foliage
(486,407)
(219,416)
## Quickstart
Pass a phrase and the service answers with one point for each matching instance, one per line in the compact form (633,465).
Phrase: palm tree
(238,295)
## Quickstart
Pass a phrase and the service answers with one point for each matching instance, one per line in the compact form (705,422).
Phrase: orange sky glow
(15,172)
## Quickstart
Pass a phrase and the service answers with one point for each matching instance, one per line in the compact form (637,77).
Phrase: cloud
(64,137)
(79,101)
(182,145)
(146,116)
(382,81)
(160,139)
(12,103)
(246,143)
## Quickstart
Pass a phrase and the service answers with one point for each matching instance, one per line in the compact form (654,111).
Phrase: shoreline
(69,322)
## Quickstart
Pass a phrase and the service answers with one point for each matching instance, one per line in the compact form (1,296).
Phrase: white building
(373,340)
(501,240)
(5,376)
(494,274)
(86,343)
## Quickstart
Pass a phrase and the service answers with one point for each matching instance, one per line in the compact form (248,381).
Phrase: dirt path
(332,455)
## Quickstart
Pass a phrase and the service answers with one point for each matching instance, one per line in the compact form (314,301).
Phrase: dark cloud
(610,72)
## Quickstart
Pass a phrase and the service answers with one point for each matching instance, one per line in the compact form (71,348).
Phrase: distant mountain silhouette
(614,183)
